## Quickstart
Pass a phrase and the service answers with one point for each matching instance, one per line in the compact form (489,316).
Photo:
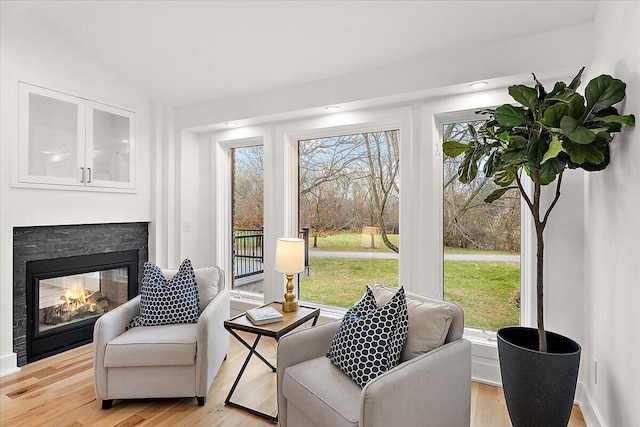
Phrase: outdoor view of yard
(488,291)
(349,200)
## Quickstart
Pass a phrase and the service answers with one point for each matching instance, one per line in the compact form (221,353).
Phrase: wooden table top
(277,329)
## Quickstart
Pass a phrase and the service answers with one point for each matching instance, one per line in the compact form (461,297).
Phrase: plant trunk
(542,336)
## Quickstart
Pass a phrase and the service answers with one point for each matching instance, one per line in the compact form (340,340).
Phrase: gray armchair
(432,389)
(176,360)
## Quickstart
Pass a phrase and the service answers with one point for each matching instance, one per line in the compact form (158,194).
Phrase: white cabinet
(70,141)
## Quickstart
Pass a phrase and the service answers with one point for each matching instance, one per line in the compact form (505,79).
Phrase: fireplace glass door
(67,299)
(67,295)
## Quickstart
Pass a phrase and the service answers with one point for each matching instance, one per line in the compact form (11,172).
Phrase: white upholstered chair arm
(431,390)
(107,327)
(298,346)
(213,341)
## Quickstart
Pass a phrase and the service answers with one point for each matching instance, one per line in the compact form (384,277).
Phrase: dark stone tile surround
(49,242)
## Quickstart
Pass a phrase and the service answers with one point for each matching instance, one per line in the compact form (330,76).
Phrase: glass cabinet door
(110,146)
(51,137)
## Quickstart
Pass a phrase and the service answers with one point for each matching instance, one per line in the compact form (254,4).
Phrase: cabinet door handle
(89,180)
(82,174)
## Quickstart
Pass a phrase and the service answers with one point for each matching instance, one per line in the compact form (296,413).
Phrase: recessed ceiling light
(332,108)
(478,85)
(231,124)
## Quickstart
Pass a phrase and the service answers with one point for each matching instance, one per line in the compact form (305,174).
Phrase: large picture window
(481,244)
(349,197)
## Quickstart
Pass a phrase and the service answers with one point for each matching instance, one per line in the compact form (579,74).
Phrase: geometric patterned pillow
(165,301)
(370,338)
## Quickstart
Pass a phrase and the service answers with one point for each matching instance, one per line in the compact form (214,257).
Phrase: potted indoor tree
(548,133)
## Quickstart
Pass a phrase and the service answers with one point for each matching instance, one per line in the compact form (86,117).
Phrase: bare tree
(384,165)
(248,187)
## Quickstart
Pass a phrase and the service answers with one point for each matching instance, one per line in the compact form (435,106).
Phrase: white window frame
(224,225)
(337,125)
(527,232)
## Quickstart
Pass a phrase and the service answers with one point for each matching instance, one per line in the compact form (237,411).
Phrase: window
(349,197)
(481,243)
(247,218)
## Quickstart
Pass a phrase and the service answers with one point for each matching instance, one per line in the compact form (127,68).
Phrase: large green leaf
(558,88)
(580,153)
(525,95)
(576,106)
(602,92)
(516,155)
(628,120)
(537,149)
(576,80)
(468,169)
(496,194)
(550,169)
(454,148)
(509,116)
(555,147)
(575,131)
(542,93)
(554,114)
(504,177)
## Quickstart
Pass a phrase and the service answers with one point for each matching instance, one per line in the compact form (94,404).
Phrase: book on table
(264,315)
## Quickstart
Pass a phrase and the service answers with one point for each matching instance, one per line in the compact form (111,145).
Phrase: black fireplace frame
(41,344)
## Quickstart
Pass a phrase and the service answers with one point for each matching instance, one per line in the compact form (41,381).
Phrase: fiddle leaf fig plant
(548,133)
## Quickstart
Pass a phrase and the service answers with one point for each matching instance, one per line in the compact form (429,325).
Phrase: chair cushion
(163,345)
(164,301)
(429,322)
(323,392)
(209,280)
(368,344)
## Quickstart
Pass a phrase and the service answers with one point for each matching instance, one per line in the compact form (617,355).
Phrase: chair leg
(106,404)
(201,400)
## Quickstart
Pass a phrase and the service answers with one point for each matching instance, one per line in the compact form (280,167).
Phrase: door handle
(82,174)
(89,180)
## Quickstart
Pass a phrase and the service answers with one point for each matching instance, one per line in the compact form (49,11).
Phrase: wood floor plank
(58,391)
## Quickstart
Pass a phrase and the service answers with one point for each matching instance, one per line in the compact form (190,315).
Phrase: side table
(275,330)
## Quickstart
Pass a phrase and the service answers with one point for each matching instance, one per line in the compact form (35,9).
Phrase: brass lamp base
(289,306)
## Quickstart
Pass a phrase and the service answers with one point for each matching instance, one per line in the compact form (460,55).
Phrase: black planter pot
(538,387)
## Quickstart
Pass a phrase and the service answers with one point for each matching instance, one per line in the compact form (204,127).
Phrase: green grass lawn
(356,242)
(482,289)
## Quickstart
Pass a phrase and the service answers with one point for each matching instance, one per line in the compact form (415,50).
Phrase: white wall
(612,208)
(514,56)
(30,52)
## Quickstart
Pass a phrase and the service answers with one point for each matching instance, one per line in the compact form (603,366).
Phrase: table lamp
(289,260)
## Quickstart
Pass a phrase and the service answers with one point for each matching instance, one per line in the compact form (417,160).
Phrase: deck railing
(248,250)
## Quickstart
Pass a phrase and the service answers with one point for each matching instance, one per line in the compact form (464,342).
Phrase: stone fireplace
(66,276)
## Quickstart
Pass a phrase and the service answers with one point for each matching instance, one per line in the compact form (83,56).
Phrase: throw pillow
(370,338)
(429,322)
(209,280)
(164,301)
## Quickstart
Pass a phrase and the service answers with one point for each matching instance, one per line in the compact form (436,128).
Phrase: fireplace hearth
(56,306)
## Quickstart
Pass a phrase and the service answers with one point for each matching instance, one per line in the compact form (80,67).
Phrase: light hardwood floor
(58,391)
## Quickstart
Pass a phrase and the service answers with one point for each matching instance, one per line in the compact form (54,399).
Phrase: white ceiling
(184,52)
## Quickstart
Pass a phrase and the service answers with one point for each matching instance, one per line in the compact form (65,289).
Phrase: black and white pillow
(164,301)
(370,338)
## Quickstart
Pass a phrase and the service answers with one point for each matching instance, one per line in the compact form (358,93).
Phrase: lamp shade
(289,255)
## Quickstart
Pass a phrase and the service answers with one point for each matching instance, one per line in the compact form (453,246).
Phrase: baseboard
(8,364)
(485,367)
(592,417)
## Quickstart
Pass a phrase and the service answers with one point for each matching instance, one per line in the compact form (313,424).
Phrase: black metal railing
(248,245)
(248,250)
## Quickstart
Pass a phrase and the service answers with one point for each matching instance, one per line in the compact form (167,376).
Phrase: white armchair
(432,389)
(176,360)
